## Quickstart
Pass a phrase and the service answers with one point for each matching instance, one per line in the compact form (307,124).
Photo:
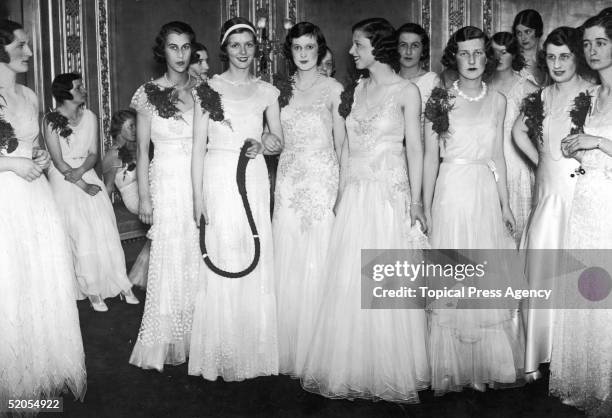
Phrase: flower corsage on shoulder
(8,141)
(437,109)
(580,111)
(59,124)
(164,99)
(285,86)
(347,97)
(532,108)
(210,101)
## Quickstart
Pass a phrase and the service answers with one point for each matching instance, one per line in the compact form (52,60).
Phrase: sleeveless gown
(305,194)
(41,351)
(581,363)
(235,330)
(369,353)
(90,221)
(471,346)
(547,227)
(175,256)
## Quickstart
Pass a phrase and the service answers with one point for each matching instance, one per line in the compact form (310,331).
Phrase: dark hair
(383,39)
(7,36)
(417,30)
(195,47)
(467,33)
(301,29)
(61,86)
(531,19)
(513,47)
(160,41)
(572,38)
(228,24)
(118,119)
(603,19)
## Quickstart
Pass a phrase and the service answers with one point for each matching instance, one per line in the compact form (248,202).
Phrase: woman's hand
(74,175)
(145,211)
(91,189)
(271,143)
(417,214)
(508,219)
(255,148)
(199,210)
(41,157)
(27,169)
(579,142)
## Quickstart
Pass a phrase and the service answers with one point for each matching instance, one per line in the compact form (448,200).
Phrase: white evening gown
(369,353)
(234,328)
(175,256)
(581,363)
(305,194)
(90,221)
(41,351)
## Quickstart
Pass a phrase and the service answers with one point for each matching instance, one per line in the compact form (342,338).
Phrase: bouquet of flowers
(210,101)
(59,123)
(8,141)
(163,99)
(285,86)
(347,97)
(437,109)
(533,109)
(578,114)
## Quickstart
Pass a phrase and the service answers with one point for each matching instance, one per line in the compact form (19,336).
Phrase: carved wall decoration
(233,9)
(456,15)
(426,23)
(487,17)
(292,11)
(104,79)
(72,36)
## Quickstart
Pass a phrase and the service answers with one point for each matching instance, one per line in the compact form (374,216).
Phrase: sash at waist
(393,147)
(466,161)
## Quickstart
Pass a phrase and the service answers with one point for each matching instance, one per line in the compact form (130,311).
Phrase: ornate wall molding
(425,6)
(291,7)
(72,36)
(103,76)
(457,16)
(487,17)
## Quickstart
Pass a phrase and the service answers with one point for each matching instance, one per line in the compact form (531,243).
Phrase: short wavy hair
(195,47)
(603,19)
(61,86)
(383,38)
(531,19)
(513,47)
(118,119)
(572,38)
(228,24)
(467,33)
(160,41)
(301,29)
(417,30)
(7,36)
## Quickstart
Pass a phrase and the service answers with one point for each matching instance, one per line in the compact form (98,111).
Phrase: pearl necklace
(175,85)
(482,94)
(303,89)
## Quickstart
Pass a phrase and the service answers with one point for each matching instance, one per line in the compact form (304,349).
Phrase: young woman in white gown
(119,170)
(71,133)
(41,352)
(528,28)
(305,193)
(373,353)
(581,363)
(519,168)
(547,227)
(234,329)
(413,47)
(470,210)
(165,116)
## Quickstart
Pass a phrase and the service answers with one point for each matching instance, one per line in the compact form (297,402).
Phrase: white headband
(238,26)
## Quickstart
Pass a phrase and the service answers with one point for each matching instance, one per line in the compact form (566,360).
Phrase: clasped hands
(572,144)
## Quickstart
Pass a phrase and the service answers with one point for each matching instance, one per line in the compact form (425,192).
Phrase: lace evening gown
(235,329)
(369,353)
(41,351)
(90,221)
(305,194)
(581,363)
(547,226)
(175,255)
(471,346)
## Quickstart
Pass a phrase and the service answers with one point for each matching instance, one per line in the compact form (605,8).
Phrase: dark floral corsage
(164,99)
(533,109)
(437,109)
(285,86)
(210,101)
(8,141)
(126,157)
(578,114)
(59,123)
(347,97)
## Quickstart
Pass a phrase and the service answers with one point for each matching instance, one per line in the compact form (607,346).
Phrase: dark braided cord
(243,160)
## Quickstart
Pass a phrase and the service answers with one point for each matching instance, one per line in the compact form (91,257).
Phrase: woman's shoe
(97,303)
(533,376)
(129,297)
